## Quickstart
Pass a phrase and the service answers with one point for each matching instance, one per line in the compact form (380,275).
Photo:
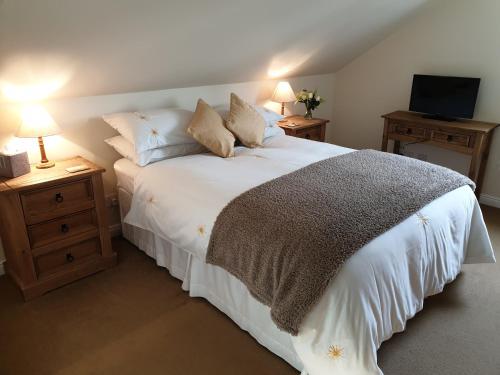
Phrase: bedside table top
(39,177)
(299,122)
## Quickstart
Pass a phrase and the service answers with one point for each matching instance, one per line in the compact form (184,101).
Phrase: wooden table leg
(477,161)
(481,167)
(323,132)
(397,145)
(384,137)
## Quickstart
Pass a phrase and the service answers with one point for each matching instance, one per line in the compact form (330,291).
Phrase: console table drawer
(451,138)
(409,130)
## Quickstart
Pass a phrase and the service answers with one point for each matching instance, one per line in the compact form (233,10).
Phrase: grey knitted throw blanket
(287,238)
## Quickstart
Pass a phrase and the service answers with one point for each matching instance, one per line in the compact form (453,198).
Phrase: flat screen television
(444,97)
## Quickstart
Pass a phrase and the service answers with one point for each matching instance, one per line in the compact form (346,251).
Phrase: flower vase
(309,113)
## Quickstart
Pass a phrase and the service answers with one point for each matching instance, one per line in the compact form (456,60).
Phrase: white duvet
(378,288)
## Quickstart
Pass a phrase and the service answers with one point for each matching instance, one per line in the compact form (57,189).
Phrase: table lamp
(36,122)
(283,93)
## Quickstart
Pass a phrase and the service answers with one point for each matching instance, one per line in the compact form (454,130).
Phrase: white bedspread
(377,290)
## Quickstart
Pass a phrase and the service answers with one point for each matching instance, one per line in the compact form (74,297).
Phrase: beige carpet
(135,319)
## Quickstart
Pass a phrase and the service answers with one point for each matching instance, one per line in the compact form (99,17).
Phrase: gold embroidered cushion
(245,122)
(207,127)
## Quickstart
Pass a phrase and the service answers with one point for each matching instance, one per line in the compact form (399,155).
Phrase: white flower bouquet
(311,99)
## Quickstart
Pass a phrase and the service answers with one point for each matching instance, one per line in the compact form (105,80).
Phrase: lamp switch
(77,168)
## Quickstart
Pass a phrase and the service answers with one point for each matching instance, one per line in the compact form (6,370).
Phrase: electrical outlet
(112,200)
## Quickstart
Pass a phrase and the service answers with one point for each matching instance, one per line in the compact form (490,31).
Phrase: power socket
(112,200)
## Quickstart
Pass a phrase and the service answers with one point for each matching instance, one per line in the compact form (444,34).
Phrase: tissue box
(14,165)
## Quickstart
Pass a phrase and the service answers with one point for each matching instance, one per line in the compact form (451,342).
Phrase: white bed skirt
(217,286)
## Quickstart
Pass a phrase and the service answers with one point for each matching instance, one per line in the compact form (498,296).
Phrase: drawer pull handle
(449,138)
(70,257)
(59,198)
(64,228)
(408,131)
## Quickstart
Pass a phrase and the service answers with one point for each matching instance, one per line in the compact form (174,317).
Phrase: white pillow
(270,117)
(126,149)
(147,130)
(273,131)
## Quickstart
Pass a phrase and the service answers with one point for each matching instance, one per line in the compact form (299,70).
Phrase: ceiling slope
(93,47)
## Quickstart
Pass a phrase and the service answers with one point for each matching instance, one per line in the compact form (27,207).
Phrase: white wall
(84,130)
(102,47)
(453,37)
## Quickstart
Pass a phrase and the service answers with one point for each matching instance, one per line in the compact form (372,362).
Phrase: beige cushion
(207,127)
(245,122)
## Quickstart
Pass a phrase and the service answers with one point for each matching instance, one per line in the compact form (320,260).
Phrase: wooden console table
(464,136)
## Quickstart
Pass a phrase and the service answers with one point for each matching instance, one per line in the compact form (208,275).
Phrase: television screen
(447,97)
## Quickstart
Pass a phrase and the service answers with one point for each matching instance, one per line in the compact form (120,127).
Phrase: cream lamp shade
(283,93)
(36,122)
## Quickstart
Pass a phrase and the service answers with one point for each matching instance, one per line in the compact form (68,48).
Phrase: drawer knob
(408,131)
(64,228)
(70,257)
(449,138)
(59,198)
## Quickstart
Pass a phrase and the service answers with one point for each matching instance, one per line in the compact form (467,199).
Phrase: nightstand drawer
(71,256)
(56,201)
(66,227)
(313,133)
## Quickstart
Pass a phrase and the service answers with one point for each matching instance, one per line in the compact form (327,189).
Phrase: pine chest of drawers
(53,226)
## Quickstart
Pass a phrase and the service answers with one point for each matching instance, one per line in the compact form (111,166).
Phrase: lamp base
(44,163)
(48,164)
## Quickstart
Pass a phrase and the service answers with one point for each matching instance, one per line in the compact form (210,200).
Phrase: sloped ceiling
(93,47)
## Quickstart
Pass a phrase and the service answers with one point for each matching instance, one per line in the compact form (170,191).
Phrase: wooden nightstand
(298,126)
(54,227)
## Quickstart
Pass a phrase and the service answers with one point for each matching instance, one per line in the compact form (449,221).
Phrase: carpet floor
(135,319)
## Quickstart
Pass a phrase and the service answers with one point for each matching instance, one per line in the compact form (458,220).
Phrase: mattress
(176,201)
(125,174)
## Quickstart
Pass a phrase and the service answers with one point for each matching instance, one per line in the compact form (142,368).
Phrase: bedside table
(298,126)
(54,227)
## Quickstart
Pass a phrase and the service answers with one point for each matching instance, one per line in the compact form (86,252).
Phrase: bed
(169,208)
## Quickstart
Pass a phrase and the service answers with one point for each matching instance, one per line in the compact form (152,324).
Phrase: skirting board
(490,200)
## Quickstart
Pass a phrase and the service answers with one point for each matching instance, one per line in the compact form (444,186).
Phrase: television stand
(465,136)
(439,117)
